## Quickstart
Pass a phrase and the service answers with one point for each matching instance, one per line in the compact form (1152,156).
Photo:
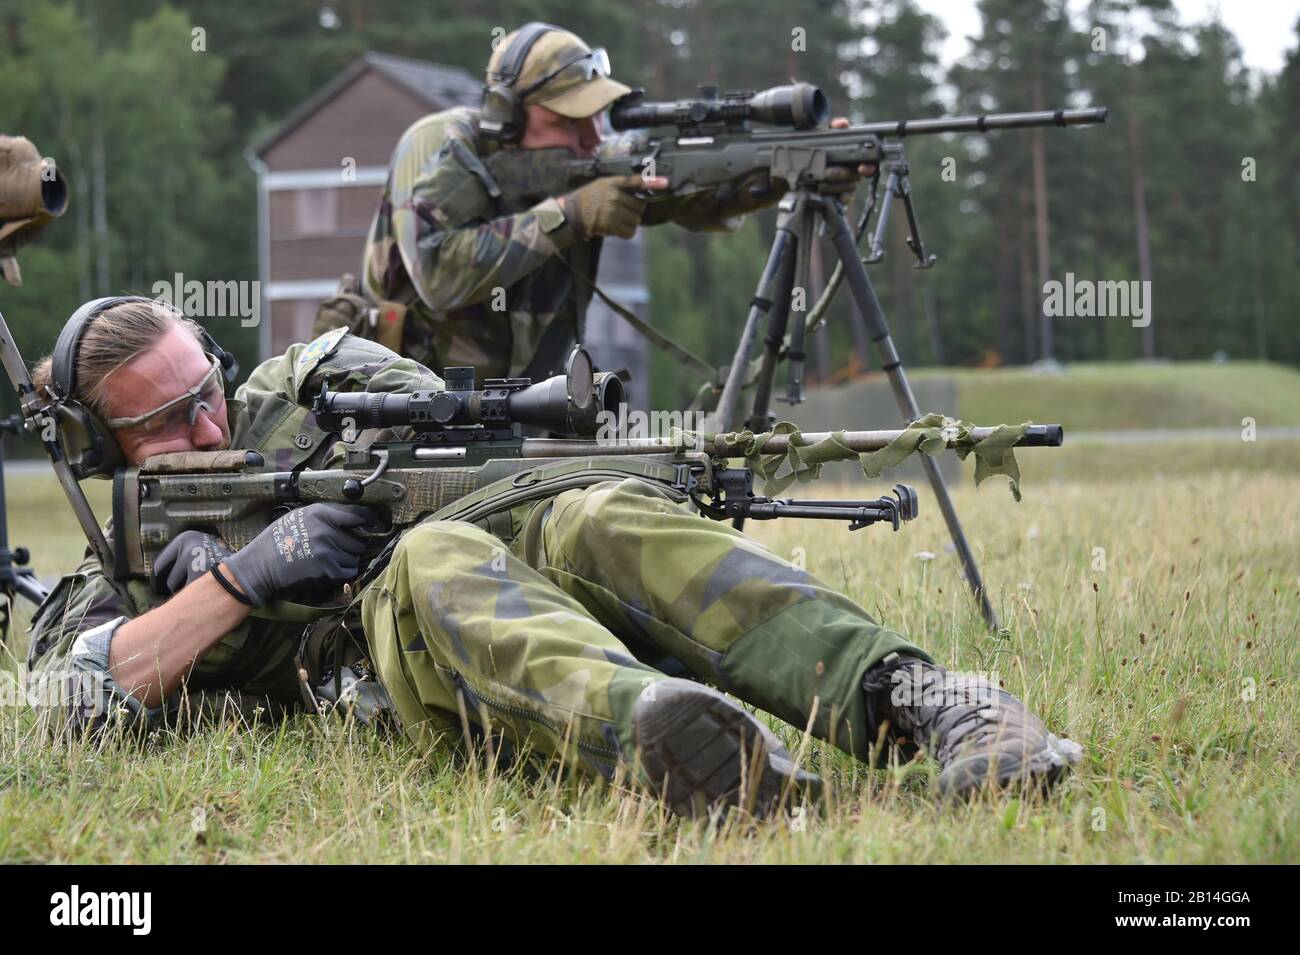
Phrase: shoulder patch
(317,351)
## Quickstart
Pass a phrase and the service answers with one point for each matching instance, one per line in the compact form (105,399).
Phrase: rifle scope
(801,105)
(571,403)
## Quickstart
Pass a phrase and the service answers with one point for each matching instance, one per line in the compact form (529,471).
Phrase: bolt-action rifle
(468,460)
(713,140)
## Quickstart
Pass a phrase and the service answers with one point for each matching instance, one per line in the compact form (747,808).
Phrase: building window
(317,211)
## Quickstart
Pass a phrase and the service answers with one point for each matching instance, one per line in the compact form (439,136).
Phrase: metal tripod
(801,213)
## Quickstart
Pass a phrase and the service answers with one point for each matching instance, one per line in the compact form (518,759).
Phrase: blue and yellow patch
(318,350)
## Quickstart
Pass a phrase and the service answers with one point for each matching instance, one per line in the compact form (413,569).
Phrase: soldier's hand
(864,169)
(314,545)
(749,193)
(190,555)
(607,206)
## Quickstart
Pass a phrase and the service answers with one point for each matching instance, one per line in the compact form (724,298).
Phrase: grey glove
(312,545)
(190,555)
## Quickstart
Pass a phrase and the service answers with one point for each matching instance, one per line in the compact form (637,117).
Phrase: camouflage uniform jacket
(479,270)
(477,283)
(270,414)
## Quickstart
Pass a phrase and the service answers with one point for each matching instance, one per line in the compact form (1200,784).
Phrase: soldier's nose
(206,433)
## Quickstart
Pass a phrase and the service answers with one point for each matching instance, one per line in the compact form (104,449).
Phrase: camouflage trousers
(550,633)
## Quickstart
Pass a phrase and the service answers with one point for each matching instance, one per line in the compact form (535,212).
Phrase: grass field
(1152,604)
(1120,396)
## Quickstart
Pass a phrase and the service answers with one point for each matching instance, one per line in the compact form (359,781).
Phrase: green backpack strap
(672,472)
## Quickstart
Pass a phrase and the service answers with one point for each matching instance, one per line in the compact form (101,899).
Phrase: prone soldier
(551,625)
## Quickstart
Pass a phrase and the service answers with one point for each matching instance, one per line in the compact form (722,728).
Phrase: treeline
(1191,185)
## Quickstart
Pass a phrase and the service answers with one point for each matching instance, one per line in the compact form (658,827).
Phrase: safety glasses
(180,413)
(588,66)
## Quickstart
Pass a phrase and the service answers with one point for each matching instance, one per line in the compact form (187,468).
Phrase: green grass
(1175,666)
(1125,396)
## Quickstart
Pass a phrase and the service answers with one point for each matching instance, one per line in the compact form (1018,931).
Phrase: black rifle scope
(801,105)
(571,403)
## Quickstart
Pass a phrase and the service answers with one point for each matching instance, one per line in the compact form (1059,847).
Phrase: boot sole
(965,777)
(700,750)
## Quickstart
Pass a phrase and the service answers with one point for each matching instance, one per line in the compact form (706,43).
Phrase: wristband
(230,588)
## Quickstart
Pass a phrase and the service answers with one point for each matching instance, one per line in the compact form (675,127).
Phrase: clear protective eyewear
(182,412)
(589,65)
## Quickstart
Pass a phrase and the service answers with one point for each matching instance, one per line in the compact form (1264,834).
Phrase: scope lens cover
(578,374)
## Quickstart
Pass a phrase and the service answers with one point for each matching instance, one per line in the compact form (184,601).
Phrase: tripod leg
(724,414)
(776,326)
(865,296)
(803,257)
(777,322)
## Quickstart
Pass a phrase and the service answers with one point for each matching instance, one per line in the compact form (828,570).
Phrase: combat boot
(699,751)
(980,734)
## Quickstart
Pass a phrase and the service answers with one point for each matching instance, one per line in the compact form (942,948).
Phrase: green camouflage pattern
(481,284)
(548,631)
(472,247)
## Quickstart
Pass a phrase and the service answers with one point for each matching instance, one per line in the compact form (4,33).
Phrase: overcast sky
(1264,28)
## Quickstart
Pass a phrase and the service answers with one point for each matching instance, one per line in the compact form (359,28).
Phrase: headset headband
(64,371)
(512,64)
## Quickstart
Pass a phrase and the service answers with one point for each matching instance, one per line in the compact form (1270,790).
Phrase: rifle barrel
(980,124)
(1036,436)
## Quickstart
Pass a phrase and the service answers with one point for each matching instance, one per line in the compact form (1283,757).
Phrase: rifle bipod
(736,499)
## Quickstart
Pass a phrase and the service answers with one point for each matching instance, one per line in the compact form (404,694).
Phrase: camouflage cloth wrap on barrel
(470,259)
(803,459)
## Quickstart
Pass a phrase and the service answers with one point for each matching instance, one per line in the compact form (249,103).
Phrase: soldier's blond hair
(113,338)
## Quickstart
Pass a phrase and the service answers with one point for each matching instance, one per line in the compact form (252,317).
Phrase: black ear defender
(89,444)
(501,118)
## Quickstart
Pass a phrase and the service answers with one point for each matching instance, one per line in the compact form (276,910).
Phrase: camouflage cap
(574,93)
